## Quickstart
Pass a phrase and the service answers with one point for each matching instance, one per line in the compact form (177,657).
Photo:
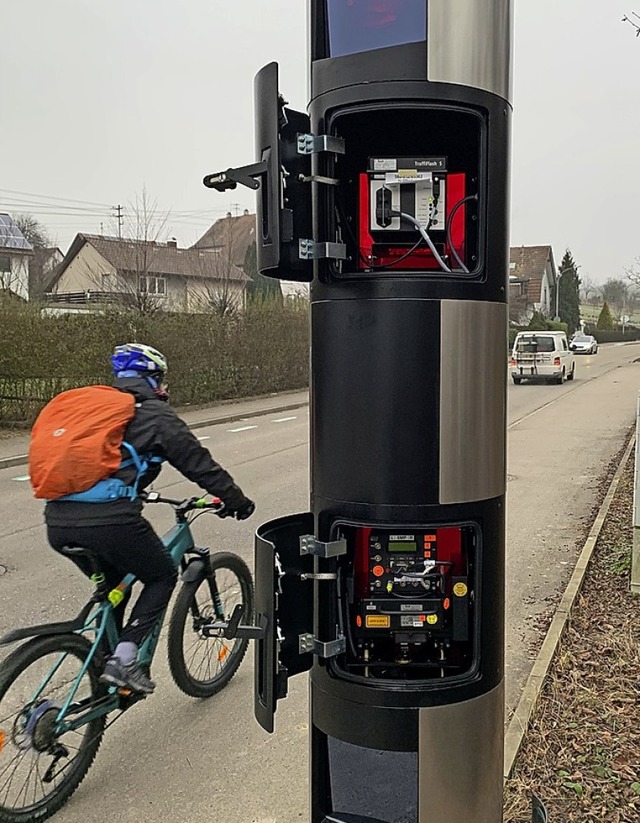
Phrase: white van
(542,355)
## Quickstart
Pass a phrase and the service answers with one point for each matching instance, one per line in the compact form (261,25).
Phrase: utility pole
(119,217)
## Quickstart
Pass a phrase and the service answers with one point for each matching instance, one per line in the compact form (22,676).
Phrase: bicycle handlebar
(182,507)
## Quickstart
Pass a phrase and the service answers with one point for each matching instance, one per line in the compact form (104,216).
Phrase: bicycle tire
(14,666)
(185,680)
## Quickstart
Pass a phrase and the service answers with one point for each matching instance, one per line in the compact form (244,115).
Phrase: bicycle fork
(198,568)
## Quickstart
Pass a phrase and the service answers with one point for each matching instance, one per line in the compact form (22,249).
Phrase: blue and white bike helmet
(138,360)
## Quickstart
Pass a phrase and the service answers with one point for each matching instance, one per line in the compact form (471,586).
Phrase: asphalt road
(180,759)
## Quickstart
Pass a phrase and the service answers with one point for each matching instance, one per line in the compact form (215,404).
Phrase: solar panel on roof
(10,235)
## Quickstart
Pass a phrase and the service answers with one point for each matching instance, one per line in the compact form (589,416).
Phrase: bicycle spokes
(36,750)
(204,658)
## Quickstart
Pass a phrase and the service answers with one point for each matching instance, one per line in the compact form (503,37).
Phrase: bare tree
(220,284)
(33,231)
(615,293)
(633,272)
(636,25)
(133,283)
(587,288)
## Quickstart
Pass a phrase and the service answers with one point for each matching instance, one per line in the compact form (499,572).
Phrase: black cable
(448,229)
(371,266)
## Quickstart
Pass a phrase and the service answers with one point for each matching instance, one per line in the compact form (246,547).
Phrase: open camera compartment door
(284,609)
(283,206)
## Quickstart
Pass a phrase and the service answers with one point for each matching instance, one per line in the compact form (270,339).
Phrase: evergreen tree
(605,320)
(260,287)
(568,284)
(537,322)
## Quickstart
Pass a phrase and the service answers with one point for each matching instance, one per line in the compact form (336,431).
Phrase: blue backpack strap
(141,462)
(104,491)
(134,460)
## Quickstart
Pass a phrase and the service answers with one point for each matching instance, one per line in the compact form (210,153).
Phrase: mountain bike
(54,709)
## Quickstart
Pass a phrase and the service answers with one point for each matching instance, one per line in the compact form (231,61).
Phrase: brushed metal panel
(470,42)
(473,392)
(460,753)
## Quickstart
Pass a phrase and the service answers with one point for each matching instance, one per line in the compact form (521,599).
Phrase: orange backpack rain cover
(76,439)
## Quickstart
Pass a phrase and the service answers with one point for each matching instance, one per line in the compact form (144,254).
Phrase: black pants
(133,548)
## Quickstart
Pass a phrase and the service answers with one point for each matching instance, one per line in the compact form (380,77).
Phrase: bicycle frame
(179,542)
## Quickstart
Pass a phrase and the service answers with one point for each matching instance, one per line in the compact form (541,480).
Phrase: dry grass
(582,752)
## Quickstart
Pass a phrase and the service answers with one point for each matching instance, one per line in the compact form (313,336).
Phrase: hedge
(616,335)
(261,350)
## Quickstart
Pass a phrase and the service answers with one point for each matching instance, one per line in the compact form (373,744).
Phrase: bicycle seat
(77,551)
(74,552)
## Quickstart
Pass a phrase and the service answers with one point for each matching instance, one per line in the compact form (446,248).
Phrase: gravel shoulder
(581,755)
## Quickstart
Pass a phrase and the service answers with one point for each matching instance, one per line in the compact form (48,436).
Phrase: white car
(542,356)
(584,344)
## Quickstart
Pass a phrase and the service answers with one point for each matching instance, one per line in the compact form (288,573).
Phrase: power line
(50,197)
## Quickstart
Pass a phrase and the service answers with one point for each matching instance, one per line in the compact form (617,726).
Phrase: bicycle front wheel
(202,666)
(41,762)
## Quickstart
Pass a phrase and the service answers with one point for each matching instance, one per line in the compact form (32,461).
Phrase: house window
(5,262)
(152,285)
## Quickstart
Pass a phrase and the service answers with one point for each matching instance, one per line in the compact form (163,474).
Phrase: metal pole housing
(408,409)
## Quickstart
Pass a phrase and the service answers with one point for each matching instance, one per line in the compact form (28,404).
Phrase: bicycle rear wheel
(202,666)
(40,767)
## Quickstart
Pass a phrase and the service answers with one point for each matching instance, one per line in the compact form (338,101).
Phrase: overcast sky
(99,98)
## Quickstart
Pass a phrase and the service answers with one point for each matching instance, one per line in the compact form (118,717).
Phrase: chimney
(246,212)
(229,215)
(172,244)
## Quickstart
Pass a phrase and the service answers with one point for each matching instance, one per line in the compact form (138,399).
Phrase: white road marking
(22,478)
(284,419)
(243,428)
(206,437)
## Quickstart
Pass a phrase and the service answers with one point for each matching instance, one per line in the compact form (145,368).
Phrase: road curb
(519,723)
(23,459)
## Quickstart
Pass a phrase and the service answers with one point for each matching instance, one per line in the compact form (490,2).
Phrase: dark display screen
(402,546)
(362,25)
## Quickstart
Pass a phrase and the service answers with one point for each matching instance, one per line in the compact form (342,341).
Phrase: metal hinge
(308,643)
(310,250)
(319,576)
(318,178)
(310,545)
(314,144)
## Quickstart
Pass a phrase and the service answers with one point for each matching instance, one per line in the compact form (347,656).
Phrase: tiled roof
(162,258)
(530,261)
(235,232)
(155,258)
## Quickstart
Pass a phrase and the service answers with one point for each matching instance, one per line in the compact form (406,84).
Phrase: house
(232,236)
(532,277)
(146,274)
(15,253)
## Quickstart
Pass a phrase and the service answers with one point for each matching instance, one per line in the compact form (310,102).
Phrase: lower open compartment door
(284,609)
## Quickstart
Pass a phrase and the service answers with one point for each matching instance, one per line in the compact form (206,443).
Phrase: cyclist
(115,530)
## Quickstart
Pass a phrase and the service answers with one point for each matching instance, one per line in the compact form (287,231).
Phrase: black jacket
(156,430)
